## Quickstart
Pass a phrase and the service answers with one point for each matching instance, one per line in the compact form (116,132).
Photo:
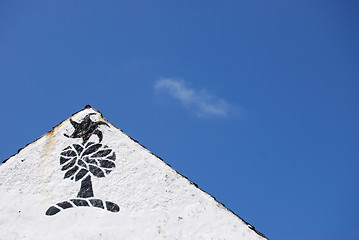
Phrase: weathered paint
(155,202)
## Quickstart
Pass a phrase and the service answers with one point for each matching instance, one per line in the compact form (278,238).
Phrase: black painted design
(93,202)
(112,207)
(86,128)
(86,188)
(84,160)
(64,205)
(52,211)
(96,203)
(80,202)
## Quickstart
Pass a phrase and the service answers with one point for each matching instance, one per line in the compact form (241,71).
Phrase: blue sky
(255,101)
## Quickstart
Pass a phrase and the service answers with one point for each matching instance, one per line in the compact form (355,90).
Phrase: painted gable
(86,179)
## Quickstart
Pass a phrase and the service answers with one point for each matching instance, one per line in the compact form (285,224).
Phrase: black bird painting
(86,128)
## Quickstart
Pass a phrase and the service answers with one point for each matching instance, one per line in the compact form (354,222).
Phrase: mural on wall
(82,161)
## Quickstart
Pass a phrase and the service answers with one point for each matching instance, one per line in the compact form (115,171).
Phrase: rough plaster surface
(155,201)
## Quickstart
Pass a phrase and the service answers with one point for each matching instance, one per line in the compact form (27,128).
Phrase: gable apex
(87,172)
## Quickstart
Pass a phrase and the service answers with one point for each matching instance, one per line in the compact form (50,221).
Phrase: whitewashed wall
(155,201)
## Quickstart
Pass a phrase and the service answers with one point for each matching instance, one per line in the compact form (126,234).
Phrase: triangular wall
(86,179)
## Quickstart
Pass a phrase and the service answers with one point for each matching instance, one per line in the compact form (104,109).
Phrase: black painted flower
(81,160)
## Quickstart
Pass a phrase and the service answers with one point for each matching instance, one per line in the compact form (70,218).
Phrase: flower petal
(71,172)
(96,171)
(78,148)
(81,174)
(64,160)
(88,144)
(106,164)
(70,164)
(102,153)
(90,160)
(112,157)
(92,149)
(81,163)
(69,153)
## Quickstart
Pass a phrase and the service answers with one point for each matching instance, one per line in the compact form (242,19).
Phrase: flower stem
(86,188)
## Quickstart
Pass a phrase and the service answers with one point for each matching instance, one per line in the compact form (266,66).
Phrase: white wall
(155,202)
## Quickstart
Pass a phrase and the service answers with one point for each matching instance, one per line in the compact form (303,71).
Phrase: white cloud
(200,101)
